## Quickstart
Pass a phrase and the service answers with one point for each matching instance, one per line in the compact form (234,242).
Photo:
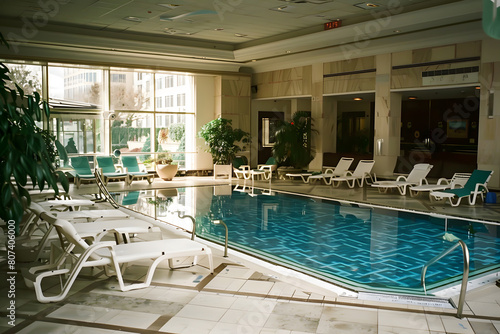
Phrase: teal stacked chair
(108,170)
(134,172)
(82,171)
(476,185)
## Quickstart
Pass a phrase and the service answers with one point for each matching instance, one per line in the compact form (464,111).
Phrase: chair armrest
(401,178)
(329,170)
(443,180)
(244,167)
(119,168)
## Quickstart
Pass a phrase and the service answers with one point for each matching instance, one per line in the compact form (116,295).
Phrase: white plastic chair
(458,180)
(417,176)
(108,255)
(360,174)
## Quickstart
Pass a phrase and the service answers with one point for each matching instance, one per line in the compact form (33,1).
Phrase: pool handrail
(465,276)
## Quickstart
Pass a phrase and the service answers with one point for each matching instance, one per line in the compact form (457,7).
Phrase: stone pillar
(387,119)
(488,151)
(317,115)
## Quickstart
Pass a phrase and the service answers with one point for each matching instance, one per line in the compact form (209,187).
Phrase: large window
(133,93)
(97,110)
(75,87)
(28,77)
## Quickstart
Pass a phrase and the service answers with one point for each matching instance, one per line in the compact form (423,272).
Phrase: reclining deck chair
(110,256)
(361,173)
(109,171)
(133,170)
(476,185)
(83,173)
(36,236)
(417,176)
(458,180)
(330,173)
(271,165)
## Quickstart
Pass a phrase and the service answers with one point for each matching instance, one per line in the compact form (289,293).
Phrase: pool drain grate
(405,299)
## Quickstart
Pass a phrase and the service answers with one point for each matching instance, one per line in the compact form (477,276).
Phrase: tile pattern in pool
(359,246)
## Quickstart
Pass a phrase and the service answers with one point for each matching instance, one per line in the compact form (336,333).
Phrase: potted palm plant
(26,152)
(292,145)
(222,141)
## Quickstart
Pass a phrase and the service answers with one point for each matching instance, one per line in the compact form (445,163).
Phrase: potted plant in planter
(292,146)
(24,152)
(165,169)
(222,139)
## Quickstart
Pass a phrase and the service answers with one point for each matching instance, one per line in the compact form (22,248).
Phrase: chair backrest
(106,164)
(343,166)
(478,177)
(66,230)
(419,172)
(130,162)
(131,198)
(271,161)
(364,167)
(81,165)
(459,179)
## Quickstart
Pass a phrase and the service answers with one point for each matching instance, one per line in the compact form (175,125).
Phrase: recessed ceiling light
(412,97)
(478,87)
(219,29)
(283,9)
(133,18)
(367,5)
(168,5)
(396,31)
(358,99)
(288,51)
(240,35)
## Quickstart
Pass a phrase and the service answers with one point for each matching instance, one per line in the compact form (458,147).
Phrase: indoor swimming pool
(357,247)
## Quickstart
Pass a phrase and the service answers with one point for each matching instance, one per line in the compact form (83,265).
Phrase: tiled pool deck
(245,295)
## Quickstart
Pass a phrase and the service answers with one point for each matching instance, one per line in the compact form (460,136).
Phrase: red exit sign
(333,25)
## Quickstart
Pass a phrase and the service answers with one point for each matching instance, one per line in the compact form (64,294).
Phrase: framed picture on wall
(269,127)
(457,128)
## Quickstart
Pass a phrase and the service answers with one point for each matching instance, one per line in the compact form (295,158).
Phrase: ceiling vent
(451,76)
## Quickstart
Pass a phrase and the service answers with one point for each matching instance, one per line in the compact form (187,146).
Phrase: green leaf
(4,41)
(6,193)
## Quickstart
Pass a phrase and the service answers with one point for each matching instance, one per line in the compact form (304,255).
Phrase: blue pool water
(357,247)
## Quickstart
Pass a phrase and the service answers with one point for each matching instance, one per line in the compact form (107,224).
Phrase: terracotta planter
(166,172)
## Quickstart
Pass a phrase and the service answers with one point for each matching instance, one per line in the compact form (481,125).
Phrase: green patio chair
(134,172)
(82,171)
(476,185)
(109,171)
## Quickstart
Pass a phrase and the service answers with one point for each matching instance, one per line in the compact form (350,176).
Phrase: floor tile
(339,313)
(180,325)
(39,327)
(307,310)
(484,308)
(212,299)
(455,325)
(292,322)
(483,326)
(202,312)
(344,327)
(399,330)
(402,320)
(257,287)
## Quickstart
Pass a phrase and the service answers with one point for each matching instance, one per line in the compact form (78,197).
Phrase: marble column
(317,115)
(387,119)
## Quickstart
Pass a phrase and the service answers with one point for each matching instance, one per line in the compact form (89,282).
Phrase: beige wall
(379,76)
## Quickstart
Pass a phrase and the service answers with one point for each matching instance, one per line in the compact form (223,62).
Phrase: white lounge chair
(475,185)
(360,174)
(458,180)
(108,255)
(331,172)
(35,238)
(417,176)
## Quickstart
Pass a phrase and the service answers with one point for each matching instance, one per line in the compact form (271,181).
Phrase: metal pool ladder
(465,276)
